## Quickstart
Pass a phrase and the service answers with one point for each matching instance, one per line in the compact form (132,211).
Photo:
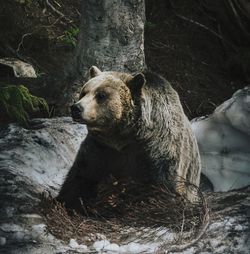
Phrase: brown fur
(138,129)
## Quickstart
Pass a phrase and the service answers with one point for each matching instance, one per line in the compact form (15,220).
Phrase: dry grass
(126,210)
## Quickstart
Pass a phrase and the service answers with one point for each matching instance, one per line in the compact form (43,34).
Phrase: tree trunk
(111,37)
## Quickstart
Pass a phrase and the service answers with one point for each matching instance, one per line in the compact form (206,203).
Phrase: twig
(204,27)
(158,44)
(183,223)
(21,42)
(58,12)
(208,29)
(189,110)
(23,58)
(238,20)
(178,248)
(242,9)
(35,30)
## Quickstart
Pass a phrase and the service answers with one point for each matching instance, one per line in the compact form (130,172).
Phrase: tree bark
(111,36)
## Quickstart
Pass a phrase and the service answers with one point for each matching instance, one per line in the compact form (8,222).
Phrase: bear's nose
(76,111)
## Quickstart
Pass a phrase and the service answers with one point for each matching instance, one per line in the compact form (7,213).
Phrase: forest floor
(182,42)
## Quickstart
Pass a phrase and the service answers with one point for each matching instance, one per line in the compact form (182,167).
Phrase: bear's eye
(101,96)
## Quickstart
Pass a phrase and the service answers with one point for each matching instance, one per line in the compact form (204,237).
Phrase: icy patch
(139,240)
(223,139)
(73,243)
(100,245)
(2,241)
(113,247)
(139,248)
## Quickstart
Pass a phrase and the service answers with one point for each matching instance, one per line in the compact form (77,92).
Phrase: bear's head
(108,100)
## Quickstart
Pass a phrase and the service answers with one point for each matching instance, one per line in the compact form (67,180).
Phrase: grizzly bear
(137,129)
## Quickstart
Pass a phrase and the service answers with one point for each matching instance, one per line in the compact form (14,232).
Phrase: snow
(113,247)
(215,242)
(73,243)
(238,228)
(100,245)
(189,251)
(134,247)
(106,246)
(223,139)
(2,241)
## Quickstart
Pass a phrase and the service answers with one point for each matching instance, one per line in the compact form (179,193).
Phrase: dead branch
(144,210)
(204,27)
(21,42)
(58,12)
(206,221)
(208,29)
(237,18)
(34,31)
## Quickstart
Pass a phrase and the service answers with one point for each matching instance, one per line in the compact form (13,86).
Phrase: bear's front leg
(83,177)
(76,190)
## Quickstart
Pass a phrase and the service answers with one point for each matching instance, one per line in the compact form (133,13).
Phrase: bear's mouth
(91,126)
(94,129)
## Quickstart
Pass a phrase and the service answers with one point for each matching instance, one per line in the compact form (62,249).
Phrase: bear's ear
(137,82)
(94,71)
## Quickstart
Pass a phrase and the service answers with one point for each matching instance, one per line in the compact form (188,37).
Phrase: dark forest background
(202,47)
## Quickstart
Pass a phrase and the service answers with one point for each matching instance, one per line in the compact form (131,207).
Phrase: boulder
(16,68)
(33,161)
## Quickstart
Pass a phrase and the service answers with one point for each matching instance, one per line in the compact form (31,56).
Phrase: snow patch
(73,243)
(223,139)
(2,241)
(138,248)
(100,245)
(113,247)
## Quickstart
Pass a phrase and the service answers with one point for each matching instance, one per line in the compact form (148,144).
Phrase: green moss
(70,36)
(17,102)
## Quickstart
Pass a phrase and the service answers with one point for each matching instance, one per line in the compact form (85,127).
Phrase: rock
(40,155)
(33,161)
(223,138)
(17,68)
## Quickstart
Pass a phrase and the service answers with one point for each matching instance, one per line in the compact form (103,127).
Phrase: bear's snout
(76,111)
